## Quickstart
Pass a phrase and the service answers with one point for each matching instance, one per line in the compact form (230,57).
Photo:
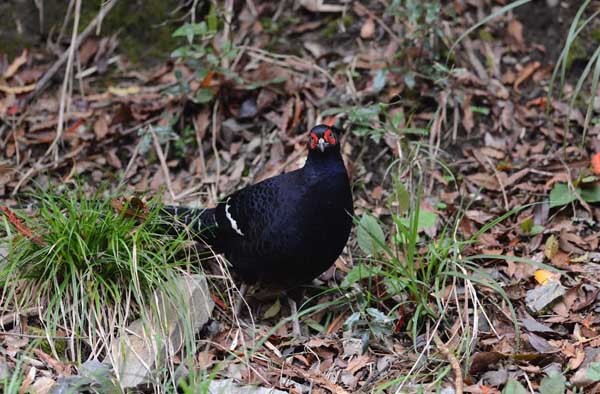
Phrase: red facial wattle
(329,138)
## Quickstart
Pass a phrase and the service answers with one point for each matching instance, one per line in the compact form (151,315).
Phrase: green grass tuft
(91,270)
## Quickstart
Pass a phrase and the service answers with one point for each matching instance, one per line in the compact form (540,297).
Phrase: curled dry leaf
(525,74)
(367,31)
(515,30)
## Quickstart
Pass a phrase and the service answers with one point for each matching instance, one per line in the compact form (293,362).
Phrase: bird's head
(322,138)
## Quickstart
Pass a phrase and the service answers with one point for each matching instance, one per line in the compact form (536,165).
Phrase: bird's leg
(240,299)
(294,313)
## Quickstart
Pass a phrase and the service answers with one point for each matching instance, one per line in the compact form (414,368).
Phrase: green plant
(408,276)
(92,268)
(375,120)
(202,56)
(421,17)
(572,44)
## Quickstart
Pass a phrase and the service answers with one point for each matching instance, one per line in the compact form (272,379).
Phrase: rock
(4,369)
(542,296)
(228,386)
(179,311)
(42,385)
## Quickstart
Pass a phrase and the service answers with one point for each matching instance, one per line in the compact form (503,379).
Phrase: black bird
(285,230)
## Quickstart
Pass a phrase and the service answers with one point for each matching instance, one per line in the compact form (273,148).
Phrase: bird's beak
(322,144)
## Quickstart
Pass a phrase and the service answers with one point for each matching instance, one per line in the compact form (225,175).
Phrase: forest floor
(505,177)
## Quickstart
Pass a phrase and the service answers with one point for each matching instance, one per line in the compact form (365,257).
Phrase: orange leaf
(525,73)
(21,227)
(545,276)
(74,126)
(538,102)
(596,163)
(218,301)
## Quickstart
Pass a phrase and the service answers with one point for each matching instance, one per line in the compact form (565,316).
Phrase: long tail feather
(200,223)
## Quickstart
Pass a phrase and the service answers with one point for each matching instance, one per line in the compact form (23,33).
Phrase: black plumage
(285,230)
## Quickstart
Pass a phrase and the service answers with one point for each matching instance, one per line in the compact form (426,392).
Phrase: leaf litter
(495,128)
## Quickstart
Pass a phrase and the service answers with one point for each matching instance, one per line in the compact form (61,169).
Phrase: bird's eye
(314,140)
(329,138)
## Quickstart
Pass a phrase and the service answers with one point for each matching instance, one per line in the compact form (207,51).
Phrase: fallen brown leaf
(525,74)
(515,30)
(367,31)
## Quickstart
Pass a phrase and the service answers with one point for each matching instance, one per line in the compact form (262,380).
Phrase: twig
(288,61)
(89,71)
(67,78)
(13,317)
(215,129)
(163,163)
(502,188)
(474,60)
(136,150)
(41,85)
(252,8)
(39,167)
(295,322)
(227,29)
(454,364)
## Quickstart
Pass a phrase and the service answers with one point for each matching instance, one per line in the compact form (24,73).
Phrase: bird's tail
(198,222)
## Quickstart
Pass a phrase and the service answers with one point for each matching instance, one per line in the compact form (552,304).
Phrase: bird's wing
(248,212)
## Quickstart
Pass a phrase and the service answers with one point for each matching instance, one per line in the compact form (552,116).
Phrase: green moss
(13,46)
(595,34)
(576,52)
(144,29)
(269,26)
(59,344)
(347,20)
(330,29)
(486,36)
(333,25)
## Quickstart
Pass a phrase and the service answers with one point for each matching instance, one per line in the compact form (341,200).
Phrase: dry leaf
(486,181)
(515,29)
(551,247)
(101,127)
(320,6)
(544,276)
(367,31)
(525,74)
(127,91)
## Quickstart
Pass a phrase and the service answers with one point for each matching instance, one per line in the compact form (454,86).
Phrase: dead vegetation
(480,273)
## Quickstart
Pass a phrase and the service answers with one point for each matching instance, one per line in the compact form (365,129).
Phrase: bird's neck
(319,162)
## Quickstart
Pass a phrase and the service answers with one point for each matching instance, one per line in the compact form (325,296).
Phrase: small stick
(294,313)
(66,79)
(163,163)
(238,304)
(454,364)
(41,85)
